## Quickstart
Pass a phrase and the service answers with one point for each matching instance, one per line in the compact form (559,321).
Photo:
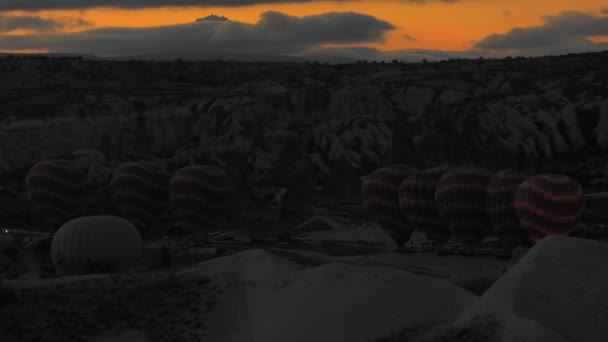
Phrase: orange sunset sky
(422,25)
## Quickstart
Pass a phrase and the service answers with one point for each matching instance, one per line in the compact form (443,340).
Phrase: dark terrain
(295,139)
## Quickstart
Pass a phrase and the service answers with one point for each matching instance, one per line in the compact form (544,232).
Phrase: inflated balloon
(549,205)
(417,203)
(140,191)
(200,194)
(500,206)
(461,200)
(380,196)
(96,244)
(56,188)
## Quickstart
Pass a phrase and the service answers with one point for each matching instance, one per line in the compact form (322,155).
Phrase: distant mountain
(201,56)
(211,56)
(235,56)
(326,58)
(87,56)
(213,17)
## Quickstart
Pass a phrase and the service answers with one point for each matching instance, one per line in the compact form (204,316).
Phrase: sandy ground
(276,294)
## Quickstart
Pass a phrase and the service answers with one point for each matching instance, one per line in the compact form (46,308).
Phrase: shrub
(8,294)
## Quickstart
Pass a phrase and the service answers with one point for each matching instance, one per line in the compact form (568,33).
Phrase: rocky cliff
(518,112)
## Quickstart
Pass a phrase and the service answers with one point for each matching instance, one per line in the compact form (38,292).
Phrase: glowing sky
(359,28)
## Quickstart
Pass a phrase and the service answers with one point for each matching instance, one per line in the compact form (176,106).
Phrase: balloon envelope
(549,204)
(461,200)
(140,191)
(56,188)
(200,194)
(417,203)
(500,206)
(380,196)
(96,244)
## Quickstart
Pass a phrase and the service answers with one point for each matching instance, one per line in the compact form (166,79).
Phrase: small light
(6,231)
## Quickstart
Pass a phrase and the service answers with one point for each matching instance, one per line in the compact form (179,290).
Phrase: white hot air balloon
(96,244)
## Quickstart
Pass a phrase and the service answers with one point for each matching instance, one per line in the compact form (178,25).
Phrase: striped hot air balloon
(500,206)
(55,189)
(140,191)
(549,204)
(93,244)
(200,194)
(380,196)
(417,203)
(461,200)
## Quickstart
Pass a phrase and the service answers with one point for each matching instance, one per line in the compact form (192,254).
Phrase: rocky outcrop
(353,100)
(453,111)
(415,100)
(343,181)
(601,131)
(314,97)
(557,285)
(158,132)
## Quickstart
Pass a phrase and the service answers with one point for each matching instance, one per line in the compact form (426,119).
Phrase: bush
(92,267)
(8,294)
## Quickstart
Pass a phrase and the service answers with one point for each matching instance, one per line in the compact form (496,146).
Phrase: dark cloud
(563,33)
(7,5)
(34,5)
(370,54)
(408,37)
(274,33)
(11,23)
(26,22)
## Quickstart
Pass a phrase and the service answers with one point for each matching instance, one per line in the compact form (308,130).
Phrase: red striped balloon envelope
(55,189)
(500,206)
(380,196)
(200,195)
(140,191)
(461,200)
(549,205)
(417,203)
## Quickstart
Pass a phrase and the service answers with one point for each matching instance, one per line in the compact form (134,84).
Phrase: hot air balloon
(461,200)
(200,194)
(500,206)
(380,195)
(96,244)
(549,204)
(56,188)
(417,203)
(140,191)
